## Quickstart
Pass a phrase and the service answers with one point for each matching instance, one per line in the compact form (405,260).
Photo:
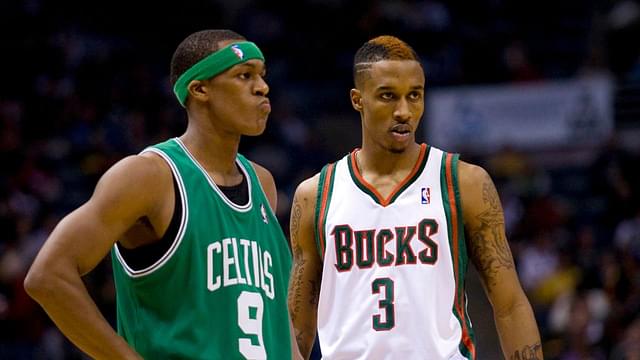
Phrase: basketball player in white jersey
(382,237)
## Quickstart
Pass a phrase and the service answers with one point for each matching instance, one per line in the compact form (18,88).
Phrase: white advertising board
(537,115)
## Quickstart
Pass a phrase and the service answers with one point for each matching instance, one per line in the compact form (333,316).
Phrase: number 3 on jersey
(251,325)
(386,304)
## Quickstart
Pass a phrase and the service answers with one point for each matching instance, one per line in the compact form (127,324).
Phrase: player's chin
(258,127)
(396,148)
(400,143)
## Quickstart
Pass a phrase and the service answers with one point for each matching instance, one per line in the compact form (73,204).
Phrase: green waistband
(215,64)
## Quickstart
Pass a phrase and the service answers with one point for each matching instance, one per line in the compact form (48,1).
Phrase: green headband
(214,64)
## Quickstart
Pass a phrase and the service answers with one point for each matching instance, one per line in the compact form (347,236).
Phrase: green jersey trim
(323,200)
(240,208)
(455,224)
(181,229)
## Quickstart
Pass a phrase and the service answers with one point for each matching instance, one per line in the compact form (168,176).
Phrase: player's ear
(356,99)
(197,90)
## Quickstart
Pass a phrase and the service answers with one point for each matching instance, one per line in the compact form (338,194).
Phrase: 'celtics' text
(231,262)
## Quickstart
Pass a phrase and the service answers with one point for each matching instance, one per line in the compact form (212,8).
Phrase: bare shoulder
(307,191)
(268,184)
(138,182)
(145,165)
(262,172)
(144,171)
(303,208)
(477,191)
(471,175)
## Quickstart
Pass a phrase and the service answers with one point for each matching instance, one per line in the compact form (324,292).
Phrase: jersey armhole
(323,199)
(181,228)
(146,255)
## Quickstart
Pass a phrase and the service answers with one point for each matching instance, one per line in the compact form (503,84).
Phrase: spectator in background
(629,347)
(627,235)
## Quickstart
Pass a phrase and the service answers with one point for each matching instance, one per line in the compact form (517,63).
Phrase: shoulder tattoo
(489,249)
(296,280)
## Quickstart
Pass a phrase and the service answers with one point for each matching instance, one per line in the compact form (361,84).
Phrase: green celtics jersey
(220,291)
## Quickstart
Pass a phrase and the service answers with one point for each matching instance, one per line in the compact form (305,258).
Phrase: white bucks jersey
(393,272)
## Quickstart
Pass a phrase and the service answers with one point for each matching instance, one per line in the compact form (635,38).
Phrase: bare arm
(80,241)
(304,286)
(269,187)
(295,350)
(490,253)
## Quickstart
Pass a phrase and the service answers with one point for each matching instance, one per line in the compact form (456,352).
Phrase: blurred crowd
(86,84)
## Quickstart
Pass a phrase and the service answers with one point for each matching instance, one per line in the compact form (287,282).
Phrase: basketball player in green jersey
(381,238)
(200,262)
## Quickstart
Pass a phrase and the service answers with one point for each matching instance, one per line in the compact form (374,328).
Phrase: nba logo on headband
(236,49)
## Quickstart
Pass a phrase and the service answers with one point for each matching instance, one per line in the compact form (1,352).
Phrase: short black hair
(385,47)
(196,47)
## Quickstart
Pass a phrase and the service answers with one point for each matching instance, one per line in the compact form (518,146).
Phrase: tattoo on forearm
(296,281)
(488,246)
(529,352)
(315,288)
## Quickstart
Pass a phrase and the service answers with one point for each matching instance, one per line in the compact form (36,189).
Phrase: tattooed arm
(304,285)
(489,250)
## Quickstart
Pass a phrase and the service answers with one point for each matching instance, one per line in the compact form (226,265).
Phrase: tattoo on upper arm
(304,290)
(296,214)
(315,288)
(488,246)
(529,352)
(296,281)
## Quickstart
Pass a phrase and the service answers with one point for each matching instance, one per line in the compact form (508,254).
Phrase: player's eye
(415,95)
(387,96)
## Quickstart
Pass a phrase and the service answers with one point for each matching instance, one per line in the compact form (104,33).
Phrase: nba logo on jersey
(237,51)
(425,195)
(263,212)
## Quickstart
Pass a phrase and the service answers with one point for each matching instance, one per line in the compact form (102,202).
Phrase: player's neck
(374,159)
(216,152)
